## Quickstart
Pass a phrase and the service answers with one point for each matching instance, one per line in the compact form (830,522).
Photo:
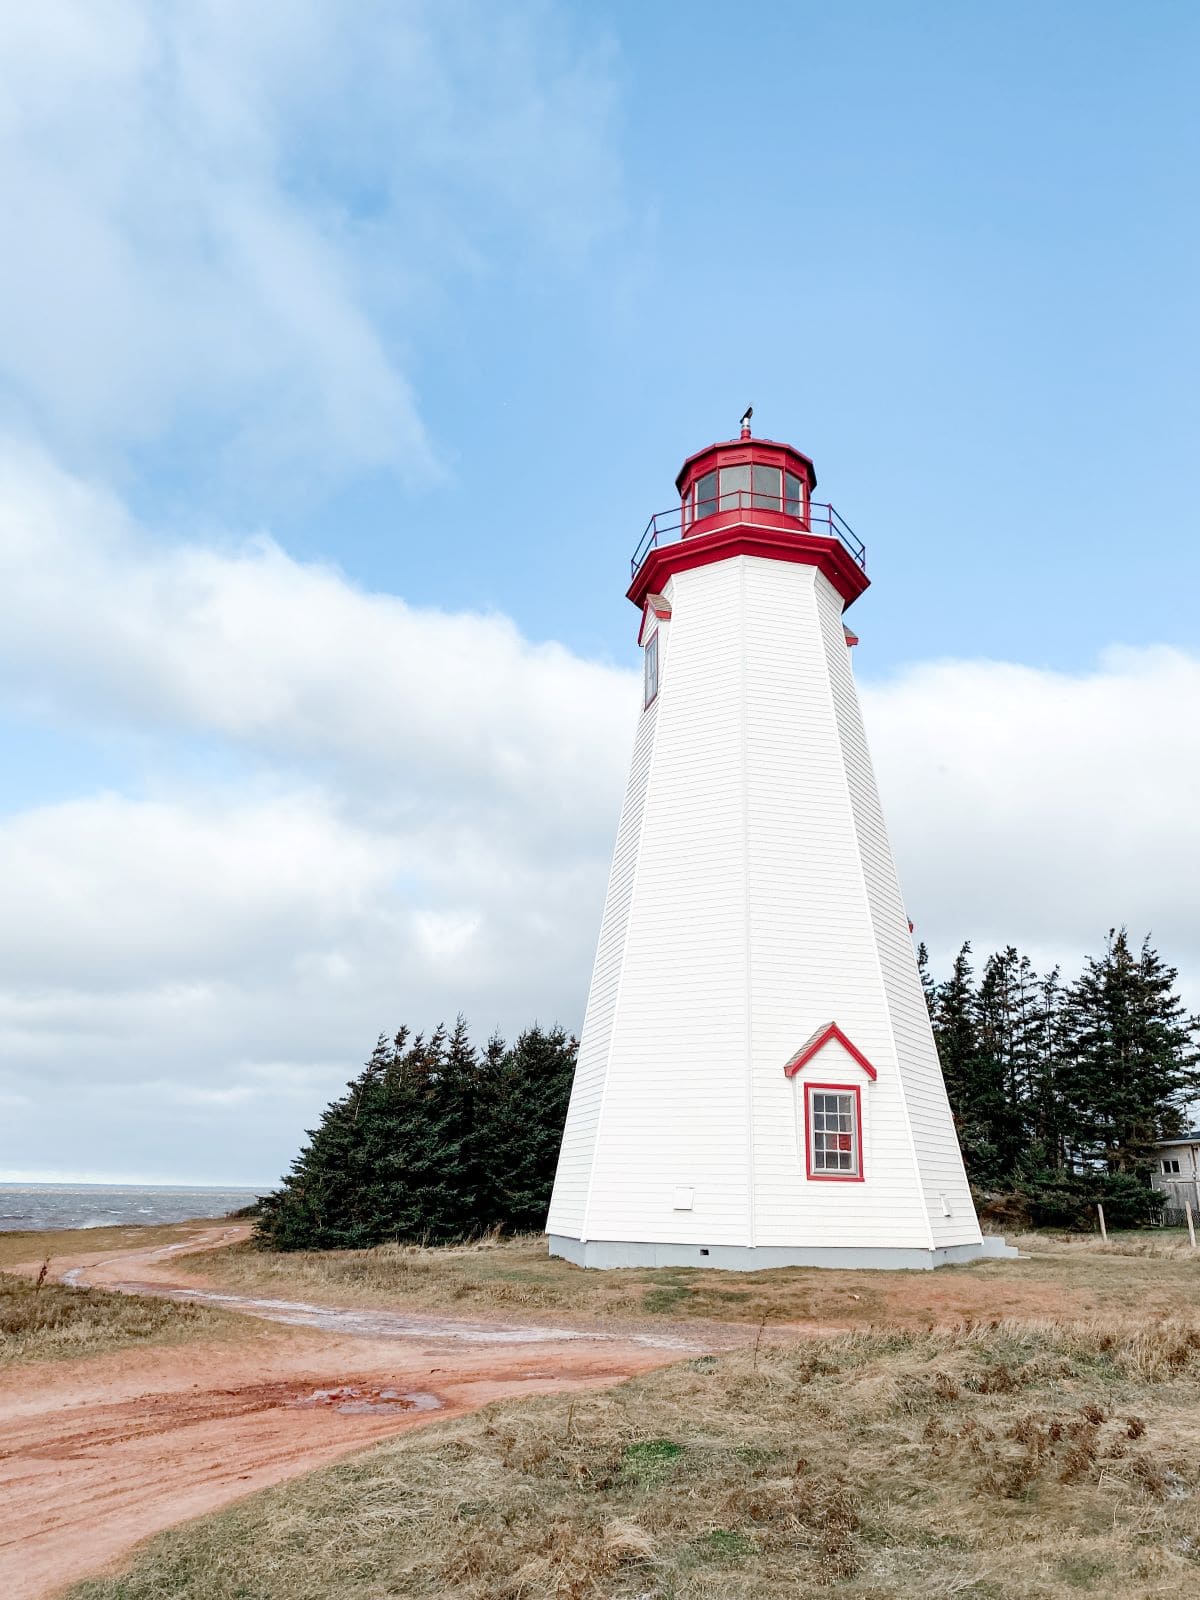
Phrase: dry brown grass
(986,1461)
(52,1322)
(49,1322)
(1151,1274)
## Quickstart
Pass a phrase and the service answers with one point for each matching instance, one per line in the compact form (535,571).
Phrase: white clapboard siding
(813,943)
(752,900)
(938,1156)
(671,1097)
(573,1178)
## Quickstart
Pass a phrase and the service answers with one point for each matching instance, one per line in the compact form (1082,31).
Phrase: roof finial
(746,422)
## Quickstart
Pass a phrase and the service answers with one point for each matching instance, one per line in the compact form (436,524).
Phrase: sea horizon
(22,1181)
(40,1206)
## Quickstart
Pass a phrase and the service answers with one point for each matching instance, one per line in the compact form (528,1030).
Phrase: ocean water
(42,1206)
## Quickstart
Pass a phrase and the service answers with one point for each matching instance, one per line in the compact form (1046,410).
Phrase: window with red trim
(833,1131)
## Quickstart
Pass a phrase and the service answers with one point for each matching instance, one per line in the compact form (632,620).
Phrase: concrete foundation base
(609,1253)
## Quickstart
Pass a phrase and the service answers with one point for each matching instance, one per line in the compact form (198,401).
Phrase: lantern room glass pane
(735,487)
(766,487)
(706,494)
(793,495)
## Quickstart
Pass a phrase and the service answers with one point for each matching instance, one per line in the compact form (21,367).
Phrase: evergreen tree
(462,1130)
(320,1203)
(954,1029)
(1130,1062)
(413,1185)
(928,987)
(529,1096)
(1044,1117)
(956,1032)
(431,1144)
(1005,1062)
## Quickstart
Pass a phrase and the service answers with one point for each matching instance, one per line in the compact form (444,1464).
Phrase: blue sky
(343,357)
(952,251)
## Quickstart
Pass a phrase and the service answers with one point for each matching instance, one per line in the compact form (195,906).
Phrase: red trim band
(700,550)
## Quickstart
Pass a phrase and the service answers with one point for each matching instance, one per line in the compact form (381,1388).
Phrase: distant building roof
(1191,1137)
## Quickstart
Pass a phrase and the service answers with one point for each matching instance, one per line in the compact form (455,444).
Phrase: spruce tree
(928,987)
(956,1032)
(417,1145)
(322,1203)
(430,1144)
(528,1100)
(1045,1118)
(1130,1064)
(1005,1062)
(462,1134)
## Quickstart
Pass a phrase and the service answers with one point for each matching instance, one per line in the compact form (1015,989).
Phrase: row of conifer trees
(1059,1091)
(434,1141)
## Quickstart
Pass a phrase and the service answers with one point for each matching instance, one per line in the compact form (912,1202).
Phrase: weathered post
(1100,1214)
(1191,1222)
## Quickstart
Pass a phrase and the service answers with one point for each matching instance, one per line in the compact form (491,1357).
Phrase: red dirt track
(97,1454)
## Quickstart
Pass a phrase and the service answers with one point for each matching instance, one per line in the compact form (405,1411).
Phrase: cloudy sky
(344,353)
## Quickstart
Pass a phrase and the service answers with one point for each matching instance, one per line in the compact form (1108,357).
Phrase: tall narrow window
(833,1120)
(651,666)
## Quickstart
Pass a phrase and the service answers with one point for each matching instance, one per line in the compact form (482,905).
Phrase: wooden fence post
(1100,1214)
(1187,1209)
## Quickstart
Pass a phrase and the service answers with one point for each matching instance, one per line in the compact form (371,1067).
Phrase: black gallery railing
(667,527)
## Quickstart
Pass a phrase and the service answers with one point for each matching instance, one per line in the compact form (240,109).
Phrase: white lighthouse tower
(757,1084)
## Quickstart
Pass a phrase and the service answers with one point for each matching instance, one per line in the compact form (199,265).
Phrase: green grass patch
(649,1461)
(722,1545)
(662,1298)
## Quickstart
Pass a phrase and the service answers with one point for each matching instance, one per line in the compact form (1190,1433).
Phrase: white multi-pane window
(651,667)
(833,1133)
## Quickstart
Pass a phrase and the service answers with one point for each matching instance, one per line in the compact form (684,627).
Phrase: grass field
(51,1322)
(1151,1274)
(997,1463)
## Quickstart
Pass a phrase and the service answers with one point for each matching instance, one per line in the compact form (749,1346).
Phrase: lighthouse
(757,1083)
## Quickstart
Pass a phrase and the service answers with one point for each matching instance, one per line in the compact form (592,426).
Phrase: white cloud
(1043,807)
(230,229)
(228,222)
(422,824)
(292,661)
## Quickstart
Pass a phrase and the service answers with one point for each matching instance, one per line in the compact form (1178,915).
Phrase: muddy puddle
(351,1400)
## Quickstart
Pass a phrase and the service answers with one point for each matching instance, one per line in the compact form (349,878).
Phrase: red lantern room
(718,484)
(748,496)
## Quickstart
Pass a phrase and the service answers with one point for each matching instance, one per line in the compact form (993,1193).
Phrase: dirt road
(97,1454)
